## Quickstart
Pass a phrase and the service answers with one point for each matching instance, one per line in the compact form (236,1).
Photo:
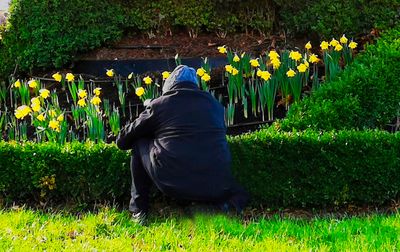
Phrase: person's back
(190,142)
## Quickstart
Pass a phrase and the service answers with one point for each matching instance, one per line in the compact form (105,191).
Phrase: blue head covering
(181,73)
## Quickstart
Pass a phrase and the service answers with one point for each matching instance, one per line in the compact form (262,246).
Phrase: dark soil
(205,45)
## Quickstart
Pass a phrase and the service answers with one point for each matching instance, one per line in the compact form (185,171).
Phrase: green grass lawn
(110,230)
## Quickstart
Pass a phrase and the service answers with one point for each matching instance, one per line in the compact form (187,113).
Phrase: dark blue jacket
(189,153)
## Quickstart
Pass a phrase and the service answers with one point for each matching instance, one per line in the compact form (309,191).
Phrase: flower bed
(70,108)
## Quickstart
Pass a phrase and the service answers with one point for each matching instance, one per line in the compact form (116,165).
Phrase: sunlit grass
(110,230)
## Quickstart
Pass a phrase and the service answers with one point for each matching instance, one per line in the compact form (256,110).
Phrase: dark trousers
(141,180)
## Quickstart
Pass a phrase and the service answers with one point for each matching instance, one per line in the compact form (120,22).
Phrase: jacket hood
(181,74)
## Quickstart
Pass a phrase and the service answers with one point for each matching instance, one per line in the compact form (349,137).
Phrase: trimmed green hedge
(366,95)
(278,169)
(332,17)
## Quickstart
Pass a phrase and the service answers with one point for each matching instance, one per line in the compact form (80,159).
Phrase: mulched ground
(205,45)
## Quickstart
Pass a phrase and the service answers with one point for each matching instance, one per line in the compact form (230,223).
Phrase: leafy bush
(50,33)
(278,169)
(366,95)
(318,169)
(81,172)
(329,18)
(45,34)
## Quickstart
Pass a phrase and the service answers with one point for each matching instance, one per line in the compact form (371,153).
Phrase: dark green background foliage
(51,33)
(334,17)
(278,169)
(366,95)
(43,34)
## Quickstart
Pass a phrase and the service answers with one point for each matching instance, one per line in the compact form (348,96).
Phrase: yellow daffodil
(57,77)
(228,68)
(139,91)
(110,72)
(95,101)
(206,77)
(17,84)
(273,55)
(290,73)
(295,55)
(52,113)
(35,107)
(35,100)
(147,80)
(259,72)
(338,47)
(265,75)
(82,102)
(22,111)
(200,72)
(60,118)
(40,117)
(44,93)
(306,63)
(276,63)
(333,42)
(234,71)
(343,39)
(308,46)
(353,45)
(165,75)
(254,63)
(82,93)
(324,45)
(222,49)
(313,58)
(54,125)
(33,84)
(97,91)
(302,68)
(70,77)
(130,76)
(236,58)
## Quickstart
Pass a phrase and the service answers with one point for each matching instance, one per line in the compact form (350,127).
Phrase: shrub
(278,169)
(50,33)
(329,18)
(366,95)
(46,34)
(318,169)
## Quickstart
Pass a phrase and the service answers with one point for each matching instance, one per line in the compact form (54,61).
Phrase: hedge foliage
(51,33)
(332,17)
(366,95)
(278,169)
